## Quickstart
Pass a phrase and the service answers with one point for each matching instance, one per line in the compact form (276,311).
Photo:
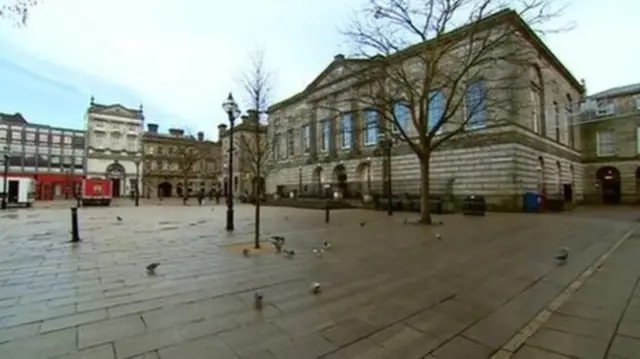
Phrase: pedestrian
(217,197)
(200,197)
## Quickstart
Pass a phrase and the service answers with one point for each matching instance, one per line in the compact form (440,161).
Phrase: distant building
(53,156)
(179,164)
(610,130)
(245,155)
(114,135)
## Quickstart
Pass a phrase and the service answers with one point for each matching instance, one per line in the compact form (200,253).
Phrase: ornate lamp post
(6,154)
(386,142)
(137,159)
(231,108)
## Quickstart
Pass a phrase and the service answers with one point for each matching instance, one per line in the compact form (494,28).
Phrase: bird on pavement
(362,224)
(315,287)
(151,268)
(438,236)
(257,297)
(326,245)
(245,252)
(119,218)
(562,255)
(290,253)
(318,252)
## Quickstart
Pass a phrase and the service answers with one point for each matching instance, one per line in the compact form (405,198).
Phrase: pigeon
(151,268)
(362,224)
(562,255)
(279,239)
(258,299)
(326,245)
(318,252)
(119,218)
(277,245)
(289,253)
(438,236)
(245,252)
(315,287)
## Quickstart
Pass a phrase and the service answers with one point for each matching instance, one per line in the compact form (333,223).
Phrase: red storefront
(50,186)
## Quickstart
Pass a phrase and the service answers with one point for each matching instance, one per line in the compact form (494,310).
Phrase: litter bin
(474,206)
(532,202)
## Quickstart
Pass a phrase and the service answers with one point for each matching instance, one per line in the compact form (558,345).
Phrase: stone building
(53,156)
(528,144)
(114,134)
(246,154)
(179,164)
(610,126)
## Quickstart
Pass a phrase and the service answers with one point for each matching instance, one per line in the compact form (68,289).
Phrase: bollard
(326,212)
(75,236)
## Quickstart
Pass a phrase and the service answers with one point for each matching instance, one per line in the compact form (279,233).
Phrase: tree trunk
(425,207)
(257,215)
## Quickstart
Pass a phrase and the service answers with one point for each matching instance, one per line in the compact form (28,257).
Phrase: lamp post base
(229,219)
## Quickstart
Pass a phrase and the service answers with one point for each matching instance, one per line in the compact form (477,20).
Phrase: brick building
(53,156)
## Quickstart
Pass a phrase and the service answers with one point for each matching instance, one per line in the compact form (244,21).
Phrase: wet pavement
(389,290)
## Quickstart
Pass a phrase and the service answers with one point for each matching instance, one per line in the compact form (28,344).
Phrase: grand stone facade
(529,144)
(179,164)
(114,134)
(610,123)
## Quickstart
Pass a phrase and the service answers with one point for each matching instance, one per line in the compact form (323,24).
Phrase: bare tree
(433,71)
(257,148)
(17,11)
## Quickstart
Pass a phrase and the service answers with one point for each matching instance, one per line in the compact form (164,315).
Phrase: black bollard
(326,213)
(75,236)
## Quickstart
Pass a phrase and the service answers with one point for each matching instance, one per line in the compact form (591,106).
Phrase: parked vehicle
(20,191)
(96,192)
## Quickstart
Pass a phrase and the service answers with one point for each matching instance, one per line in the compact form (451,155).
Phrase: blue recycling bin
(532,202)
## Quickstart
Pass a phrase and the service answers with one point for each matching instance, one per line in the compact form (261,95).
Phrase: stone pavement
(600,320)
(389,290)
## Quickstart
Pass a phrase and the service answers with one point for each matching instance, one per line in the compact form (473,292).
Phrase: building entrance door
(115,187)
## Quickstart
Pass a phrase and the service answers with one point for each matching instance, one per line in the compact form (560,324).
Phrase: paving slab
(389,290)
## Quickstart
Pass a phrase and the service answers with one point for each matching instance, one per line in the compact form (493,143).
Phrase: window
(569,119)
(276,146)
(436,109)
(345,130)
(636,99)
(638,140)
(16,133)
(605,143)
(290,151)
(556,120)
(475,105)
(324,135)
(535,109)
(402,115)
(306,138)
(370,127)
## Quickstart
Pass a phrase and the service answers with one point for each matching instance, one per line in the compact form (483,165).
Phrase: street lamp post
(136,160)
(369,175)
(6,154)
(231,108)
(386,142)
(299,180)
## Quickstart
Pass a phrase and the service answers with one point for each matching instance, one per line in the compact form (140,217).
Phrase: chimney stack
(244,119)
(200,136)
(152,128)
(222,130)
(253,116)
(176,132)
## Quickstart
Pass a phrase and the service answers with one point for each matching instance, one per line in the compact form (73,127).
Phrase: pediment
(119,111)
(336,70)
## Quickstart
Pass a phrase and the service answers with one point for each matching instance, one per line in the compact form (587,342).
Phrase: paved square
(390,290)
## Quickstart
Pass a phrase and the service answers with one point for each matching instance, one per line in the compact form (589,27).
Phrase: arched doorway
(340,177)
(317,180)
(258,183)
(164,189)
(116,173)
(179,190)
(541,176)
(363,174)
(608,180)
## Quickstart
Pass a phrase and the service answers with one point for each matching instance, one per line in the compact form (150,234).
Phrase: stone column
(355,127)
(333,130)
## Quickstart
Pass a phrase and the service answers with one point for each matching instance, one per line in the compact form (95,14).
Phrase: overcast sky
(182,59)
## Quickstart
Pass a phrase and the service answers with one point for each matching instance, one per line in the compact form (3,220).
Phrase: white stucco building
(114,137)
